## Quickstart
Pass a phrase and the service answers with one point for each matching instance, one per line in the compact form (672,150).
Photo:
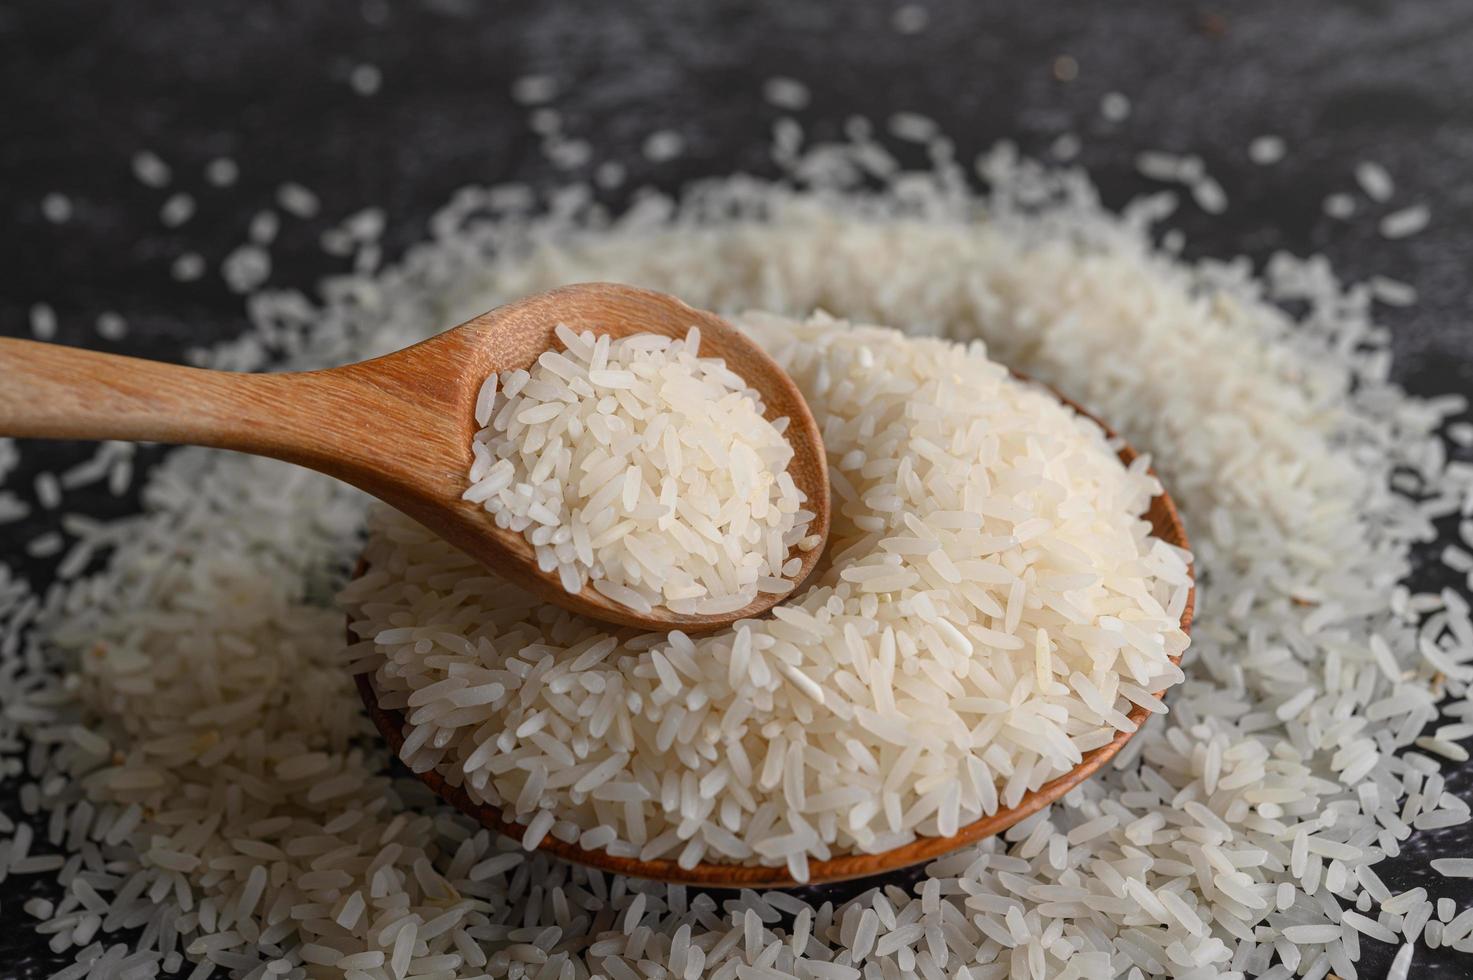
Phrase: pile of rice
(643,467)
(196,779)
(993,607)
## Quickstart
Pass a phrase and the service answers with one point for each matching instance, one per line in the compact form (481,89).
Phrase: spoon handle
(380,425)
(55,392)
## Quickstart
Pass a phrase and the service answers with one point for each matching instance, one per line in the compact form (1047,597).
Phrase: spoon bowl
(400,426)
(1165,524)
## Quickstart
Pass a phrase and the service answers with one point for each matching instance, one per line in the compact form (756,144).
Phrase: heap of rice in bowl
(992,606)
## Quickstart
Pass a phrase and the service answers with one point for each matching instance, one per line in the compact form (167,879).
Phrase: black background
(84,84)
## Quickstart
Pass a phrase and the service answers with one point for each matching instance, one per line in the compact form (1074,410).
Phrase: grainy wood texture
(1165,523)
(400,426)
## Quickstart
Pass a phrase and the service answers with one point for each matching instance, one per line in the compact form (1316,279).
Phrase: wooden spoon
(1165,524)
(400,426)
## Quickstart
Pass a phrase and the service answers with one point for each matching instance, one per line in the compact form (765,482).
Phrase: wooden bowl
(1165,524)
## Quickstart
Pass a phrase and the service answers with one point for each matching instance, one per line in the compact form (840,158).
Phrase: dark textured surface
(84,84)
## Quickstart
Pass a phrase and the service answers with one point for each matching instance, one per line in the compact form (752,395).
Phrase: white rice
(785,93)
(176,210)
(1267,150)
(610,174)
(150,170)
(913,127)
(1405,222)
(884,702)
(1392,292)
(910,18)
(1115,107)
(1339,206)
(246,268)
(1209,195)
(187,267)
(639,467)
(297,200)
(43,322)
(663,145)
(263,228)
(1065,147)
(365,79)
(111,326)
(201,652)
(1375,180)
(534,89)
(222,172)
(56,208)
